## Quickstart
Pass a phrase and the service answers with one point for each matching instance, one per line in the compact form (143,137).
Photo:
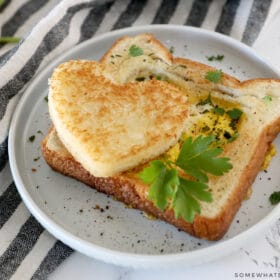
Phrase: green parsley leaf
(168,189)
(218,57)
(197,189)
(219,111)
(135,51)
(162,180)
(171,49)
(184,204)
(46,98)
(235,114)
(267,99)
(274,198)
(214,76)
(197,158)
(185,200)
(4,40)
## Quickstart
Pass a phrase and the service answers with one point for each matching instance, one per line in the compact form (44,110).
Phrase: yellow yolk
(269,155)
(208,123)
(213,124)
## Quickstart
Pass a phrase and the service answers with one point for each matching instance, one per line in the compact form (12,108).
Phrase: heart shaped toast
(110,127)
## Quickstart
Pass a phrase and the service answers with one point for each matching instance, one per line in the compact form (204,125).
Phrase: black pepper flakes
(31,138)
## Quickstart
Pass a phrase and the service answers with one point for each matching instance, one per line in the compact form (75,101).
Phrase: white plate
(68,209)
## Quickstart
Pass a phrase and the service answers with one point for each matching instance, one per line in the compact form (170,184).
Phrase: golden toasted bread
(244,140)
(108,127)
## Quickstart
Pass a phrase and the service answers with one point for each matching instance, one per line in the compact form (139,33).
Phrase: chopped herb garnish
(214,76)
(135,51)
(171,49)
(218,57)
(233,137)
(140,79)
(197,158)
(235,114)
(31,138)
(46,98)
(267,99)
(274,198)
(4,40)
(36,159)
(208,100)
(219,111)
(158,77)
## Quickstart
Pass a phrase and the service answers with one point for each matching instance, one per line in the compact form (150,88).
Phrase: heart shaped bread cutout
(108,127)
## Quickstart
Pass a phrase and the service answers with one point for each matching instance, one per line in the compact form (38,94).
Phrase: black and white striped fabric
(48,28)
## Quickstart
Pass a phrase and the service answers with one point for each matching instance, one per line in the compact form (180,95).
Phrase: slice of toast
(245,141)
(110,127)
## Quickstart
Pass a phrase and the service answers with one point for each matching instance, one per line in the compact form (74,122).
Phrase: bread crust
(127,188)
(130,191)
(145,37)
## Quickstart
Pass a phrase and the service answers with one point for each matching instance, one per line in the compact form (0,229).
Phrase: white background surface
(261,256)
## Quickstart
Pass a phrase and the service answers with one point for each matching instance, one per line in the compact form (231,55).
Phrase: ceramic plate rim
(122,258)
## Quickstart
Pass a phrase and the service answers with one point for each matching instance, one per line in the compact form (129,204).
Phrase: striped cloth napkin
(48,28)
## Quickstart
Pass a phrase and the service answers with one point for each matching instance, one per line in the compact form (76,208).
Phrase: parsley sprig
(182,193)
